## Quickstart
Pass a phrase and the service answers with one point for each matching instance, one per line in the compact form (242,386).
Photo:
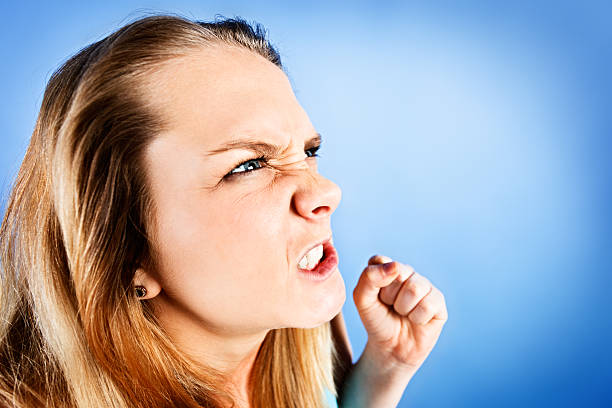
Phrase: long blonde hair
(72,333)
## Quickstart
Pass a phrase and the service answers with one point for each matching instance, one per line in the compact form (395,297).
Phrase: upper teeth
(311,259)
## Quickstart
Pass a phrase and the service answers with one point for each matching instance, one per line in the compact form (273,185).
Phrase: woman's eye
(314,150)
(252,164)
(246,167)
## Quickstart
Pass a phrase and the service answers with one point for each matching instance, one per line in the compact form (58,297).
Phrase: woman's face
(228,247)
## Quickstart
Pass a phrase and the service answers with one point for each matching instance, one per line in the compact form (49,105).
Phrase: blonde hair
(72,333)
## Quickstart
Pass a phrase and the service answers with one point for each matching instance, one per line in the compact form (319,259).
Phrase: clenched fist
(403,314)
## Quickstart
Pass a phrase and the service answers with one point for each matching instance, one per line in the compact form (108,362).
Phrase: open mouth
(324,267)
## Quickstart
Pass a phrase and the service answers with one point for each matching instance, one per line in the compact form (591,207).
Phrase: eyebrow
(263,148)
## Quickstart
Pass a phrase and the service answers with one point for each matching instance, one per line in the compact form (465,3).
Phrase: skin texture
(227,250)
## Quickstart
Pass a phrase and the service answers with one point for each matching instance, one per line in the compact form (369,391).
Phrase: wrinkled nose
(317,197)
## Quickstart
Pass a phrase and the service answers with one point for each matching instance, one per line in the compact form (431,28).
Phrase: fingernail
(385,259)
(388,267)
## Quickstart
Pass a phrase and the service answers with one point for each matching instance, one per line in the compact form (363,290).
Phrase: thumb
(374,277)
(379,259)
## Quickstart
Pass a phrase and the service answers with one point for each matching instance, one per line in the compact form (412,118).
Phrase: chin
(330,311)
(316,304)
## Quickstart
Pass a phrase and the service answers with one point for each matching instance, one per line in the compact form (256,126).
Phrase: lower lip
(326,267)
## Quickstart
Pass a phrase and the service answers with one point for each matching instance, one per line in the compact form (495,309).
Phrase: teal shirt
(330,400)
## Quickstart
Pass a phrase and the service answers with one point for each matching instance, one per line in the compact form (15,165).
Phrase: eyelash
(263,159)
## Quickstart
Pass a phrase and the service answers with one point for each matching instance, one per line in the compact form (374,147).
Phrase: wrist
(385,367)
(376,381)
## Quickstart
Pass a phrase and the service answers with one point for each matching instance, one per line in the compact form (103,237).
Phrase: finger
(411,293)
(389,293)
(441,315)
(379,259)
(371,280)
(431,305)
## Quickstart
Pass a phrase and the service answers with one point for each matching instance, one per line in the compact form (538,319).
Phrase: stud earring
(141,291)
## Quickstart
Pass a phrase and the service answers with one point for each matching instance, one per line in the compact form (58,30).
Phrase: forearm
(372,385)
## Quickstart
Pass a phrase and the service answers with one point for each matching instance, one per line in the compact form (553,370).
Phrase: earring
(141,291)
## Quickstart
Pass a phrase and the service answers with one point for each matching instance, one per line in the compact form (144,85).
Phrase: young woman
(167,242)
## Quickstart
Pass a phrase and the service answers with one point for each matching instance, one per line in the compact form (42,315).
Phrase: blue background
(471,141)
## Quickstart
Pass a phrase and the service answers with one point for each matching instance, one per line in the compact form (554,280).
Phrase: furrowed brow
(262,148)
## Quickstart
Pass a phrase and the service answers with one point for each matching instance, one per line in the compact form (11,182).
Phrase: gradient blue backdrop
(471,141)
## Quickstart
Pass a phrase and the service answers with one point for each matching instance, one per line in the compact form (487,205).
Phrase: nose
(316,198)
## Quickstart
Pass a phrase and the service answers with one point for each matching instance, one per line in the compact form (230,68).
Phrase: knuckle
(358,302)
(356,296)
(438,295)
(412,287)
(425,281)
(425,308)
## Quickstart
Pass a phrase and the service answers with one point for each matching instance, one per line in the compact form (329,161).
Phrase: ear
(143,277)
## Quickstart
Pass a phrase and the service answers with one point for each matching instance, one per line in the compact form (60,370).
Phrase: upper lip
(316,244)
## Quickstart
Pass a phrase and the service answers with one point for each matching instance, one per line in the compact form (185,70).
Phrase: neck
(232,354)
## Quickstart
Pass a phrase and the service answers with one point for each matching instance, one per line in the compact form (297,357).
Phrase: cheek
(220,261)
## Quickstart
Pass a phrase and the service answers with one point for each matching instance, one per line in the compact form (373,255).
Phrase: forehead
(220,93)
